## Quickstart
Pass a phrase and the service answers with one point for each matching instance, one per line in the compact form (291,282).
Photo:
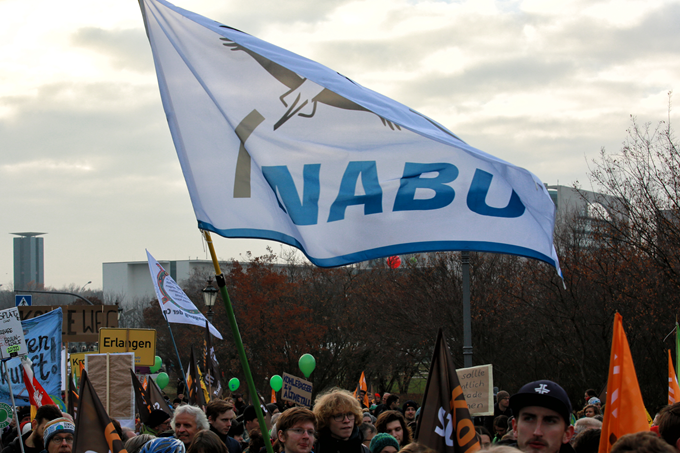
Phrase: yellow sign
(75,359)
(140,341)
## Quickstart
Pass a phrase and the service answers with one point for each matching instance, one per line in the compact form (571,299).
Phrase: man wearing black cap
(409,409)
(542,412)
(158,422)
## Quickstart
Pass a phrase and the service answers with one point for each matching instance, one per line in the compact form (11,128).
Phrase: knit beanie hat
(381,441)
(57,426)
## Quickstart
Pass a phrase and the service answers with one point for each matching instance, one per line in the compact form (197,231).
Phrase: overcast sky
(87,156)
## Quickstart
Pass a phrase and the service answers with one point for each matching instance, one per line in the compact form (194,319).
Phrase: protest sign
(6,415)
(12,343)
(477,385)
(80,322)
(43,342)
(140,341)
(296,390)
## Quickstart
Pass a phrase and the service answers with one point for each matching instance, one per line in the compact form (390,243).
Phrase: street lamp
(209,297)
(119,312)
(83,287)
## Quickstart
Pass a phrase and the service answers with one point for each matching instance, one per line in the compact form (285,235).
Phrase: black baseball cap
(543,394)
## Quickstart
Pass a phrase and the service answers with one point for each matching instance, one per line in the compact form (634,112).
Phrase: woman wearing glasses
(338,416)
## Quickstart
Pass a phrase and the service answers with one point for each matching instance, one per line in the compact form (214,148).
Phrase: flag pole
(172,337)
(239,342)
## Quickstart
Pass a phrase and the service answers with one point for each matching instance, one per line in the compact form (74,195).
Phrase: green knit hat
(381,441)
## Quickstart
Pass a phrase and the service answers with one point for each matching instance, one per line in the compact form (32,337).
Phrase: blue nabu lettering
(411,181)
(476,199)
(432,179)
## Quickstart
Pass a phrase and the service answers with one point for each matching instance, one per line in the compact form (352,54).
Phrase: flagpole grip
(219,277)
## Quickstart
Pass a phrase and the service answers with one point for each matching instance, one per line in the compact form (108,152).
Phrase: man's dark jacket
(329,444)
(232,444)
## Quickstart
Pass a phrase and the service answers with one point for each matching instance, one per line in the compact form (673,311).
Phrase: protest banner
(142,342)
(43,343)
(296,390)
(477,385)
(81,323)
(75,359)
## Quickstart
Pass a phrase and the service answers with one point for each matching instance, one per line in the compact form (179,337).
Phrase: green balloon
(234,384)
(158,362)
(307,363)
(162,380)
(276,382)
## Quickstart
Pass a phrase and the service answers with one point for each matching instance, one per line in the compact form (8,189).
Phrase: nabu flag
(94,430)
(275,146)
(445,424)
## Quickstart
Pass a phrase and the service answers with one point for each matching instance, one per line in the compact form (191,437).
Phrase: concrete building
(131,280)
(29,267)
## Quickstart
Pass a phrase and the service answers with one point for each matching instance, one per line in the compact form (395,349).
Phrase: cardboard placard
(477,385)
(12,342)
(296,390)
(80,322)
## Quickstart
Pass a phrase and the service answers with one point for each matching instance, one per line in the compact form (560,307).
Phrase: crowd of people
(536,419)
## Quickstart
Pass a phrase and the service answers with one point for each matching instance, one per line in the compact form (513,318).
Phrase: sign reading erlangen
(81,322)
(140,341)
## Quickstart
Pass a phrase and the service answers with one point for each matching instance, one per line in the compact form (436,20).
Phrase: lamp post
(119,312)
(209,297)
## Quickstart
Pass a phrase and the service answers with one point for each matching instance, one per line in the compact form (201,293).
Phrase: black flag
(195,393)
(211,367)
(94,430)
(141,398)
(445,424)
(156,398)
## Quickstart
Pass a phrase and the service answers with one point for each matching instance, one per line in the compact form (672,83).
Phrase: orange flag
(362,386)
(624,411)
(673,388)
(273,396)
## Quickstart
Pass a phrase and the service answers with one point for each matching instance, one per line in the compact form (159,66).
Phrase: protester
(256,441)
(643,442)
(409,410)
(368,418)
(394,423)
(220,417)
(249,421)
(58,436)
(33,440)
(164,445)
(158,422)
(542,413)
(591,410)
(236,431)
(239,404)
(484,437)
(368,431)
(136,443)
(206,441)
(587,441)
(296,431)
(590,393)
(669,425)
(187,421)
(384,443)
(500,428)
(584,424)
(338,416)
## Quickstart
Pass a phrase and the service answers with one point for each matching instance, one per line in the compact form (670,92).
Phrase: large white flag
(275,146)
(175,304)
